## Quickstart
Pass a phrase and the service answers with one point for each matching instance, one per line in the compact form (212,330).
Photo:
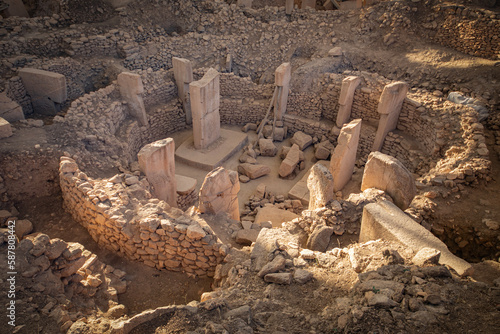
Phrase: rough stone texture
(219,193)
(157,162)
(10,110)
(386,221)
(301,139)
(253,171)
(349,86)
(274,215)
(245,3)
(183,74)
(265,246)
(320,184)
(131,90)
(279,278)
(16,8)
(308,4)
(388,174)
(282,78)
(426,256)
(292,159)
(320,238)
(267,148)
(302,276)
(5,128)
(45,89)
(277,264)
(389,108)
(246,236)
(344,155)
(205,103)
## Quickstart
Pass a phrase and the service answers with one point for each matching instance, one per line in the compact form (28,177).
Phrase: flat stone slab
(274,215)
(185,184)
(214,155)
(386,221)
(300,191)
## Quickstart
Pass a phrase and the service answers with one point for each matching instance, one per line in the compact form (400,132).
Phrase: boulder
(292,159)
(279,278)
(320,238)
(323,150)
(267,148)
(320,185)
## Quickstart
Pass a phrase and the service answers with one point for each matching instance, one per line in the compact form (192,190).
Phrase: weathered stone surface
(5,128)
(349,86)
(267,148)
(320,238)
(320,185)
(344,155)
(292,159)
(246,236)
(308,4)
(381,301)
(131,90)
(323,150)
(426,256)
(301,139)
(55,248)
(185,185)
(279,278)
(10,110)
(253,171)
(245,3)
(289,6)
(195,232)
(282,78)
(205,101)
(183,74)
(274,215)
(266,245)
(302,276)
(157,161)
(45,89)
(23,227)
(384,220)
(219,193)
(277,264)
(389,108)
(390,175)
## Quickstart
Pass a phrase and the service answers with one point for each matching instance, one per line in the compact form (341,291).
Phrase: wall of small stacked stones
(121,215)
(17,92)
(474,31)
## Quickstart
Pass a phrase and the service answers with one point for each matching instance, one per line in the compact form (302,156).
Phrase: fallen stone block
(320,238)
(301,139)
(279,278)
(246,236)
(5,128)
(292,159)
(384,220)
(267,148)
(253,171)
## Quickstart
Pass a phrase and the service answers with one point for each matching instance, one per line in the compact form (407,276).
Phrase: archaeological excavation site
(249,166)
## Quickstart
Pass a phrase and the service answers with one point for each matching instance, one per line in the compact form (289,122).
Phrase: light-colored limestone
(320,185)
(349,86)
(390,175)
(292,159)
(384,220)
(157,161)
(45,89)
(344,155)
(282,78)
(183,73)
(5,128)
(389,108)
(219,193)
(274,215)
(10,110)
(131,90)
(205,101)
(253,171)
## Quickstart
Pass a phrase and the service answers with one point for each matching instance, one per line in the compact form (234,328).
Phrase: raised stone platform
(214,155)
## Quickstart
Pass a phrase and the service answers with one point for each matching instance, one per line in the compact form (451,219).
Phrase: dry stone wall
(121,215)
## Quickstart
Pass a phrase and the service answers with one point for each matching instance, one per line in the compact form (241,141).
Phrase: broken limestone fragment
(389,108)
(292,159)
(205,101)
(10,110)
(301,139)
(131,90)
(219,193)
(320,185)
(157,162)
(5,128)
(183,73)
(253,171)
(388,174)
(46,89)
(344,155)
(267,148)
(320,238)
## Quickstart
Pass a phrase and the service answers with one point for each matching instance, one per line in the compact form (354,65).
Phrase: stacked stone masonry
(124,218)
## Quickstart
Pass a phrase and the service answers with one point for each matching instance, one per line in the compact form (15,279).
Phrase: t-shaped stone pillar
(183,73)
(131,90)
(389,108)
(282,78)
(344,155)
(205,99)
(157,161)
(219,193)
(349,86)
